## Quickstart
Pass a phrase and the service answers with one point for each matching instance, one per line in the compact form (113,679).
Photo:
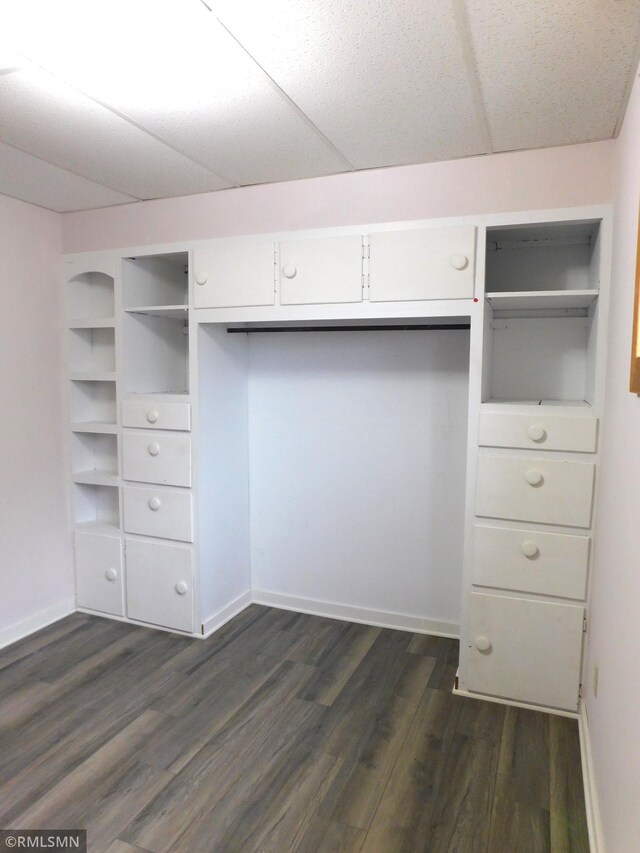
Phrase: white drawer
(157,457)
(531,561)
(540,490)
(160,584)
(99,581)
(158,512)
(529,651)
(156,414)
(547,432)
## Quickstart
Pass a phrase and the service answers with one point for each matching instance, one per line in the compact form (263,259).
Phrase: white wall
(35,544)
(614,637)
(357,470)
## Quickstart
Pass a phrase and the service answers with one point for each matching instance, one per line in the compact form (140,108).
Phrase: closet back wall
(357,472)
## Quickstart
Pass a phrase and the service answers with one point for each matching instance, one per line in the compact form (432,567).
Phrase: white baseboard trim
(513,703)
(31,624)
(594,824)
(348,613)
(226,614)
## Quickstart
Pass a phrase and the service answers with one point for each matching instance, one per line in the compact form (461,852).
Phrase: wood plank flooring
(282,732)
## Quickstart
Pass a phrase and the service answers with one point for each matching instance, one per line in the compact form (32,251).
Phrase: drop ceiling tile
(385,81)
(189,83)
(51,120)
(29,179)
(553,73)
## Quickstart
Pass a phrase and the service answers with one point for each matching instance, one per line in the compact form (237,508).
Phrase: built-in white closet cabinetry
(160,392)
(531,495)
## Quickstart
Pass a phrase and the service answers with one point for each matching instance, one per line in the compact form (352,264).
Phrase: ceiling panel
(386,82)
(51,120)
(29,179)
(196,88)
(553,73)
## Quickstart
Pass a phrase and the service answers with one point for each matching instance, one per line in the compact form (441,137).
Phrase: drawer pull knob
(459,262)
(482,644)
(289,271)
(152,416)
(154,504)
(533,477)
(529,549)
(201,277)
(153,449)
(181,588)
(111,575)
(537,432)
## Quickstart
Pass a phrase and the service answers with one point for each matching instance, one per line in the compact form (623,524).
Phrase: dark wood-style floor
(281,733)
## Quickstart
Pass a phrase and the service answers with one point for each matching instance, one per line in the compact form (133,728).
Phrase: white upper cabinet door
(525,650)
(321,270)
(234,275)
(427,263)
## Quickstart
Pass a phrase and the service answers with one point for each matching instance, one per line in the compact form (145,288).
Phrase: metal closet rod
(425,327)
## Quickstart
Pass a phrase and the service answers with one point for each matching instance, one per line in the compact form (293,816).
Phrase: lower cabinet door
(525,650)
(99,575)
(160,584)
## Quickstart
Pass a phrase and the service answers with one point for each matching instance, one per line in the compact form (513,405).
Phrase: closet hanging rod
(404,328)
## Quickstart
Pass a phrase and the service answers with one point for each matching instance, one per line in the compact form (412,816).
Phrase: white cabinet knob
(154,504)
(111,575)
(529,549)
(289,271)
(459,262)
(181,588)
(536,432)
(533,477)
(482,644)
(152,416)
(153,449)
(201,277)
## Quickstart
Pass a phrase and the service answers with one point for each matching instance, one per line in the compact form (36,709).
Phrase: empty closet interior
(332,466)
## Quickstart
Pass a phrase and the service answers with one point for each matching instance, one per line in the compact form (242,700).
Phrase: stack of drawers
(530,557)
(157,506)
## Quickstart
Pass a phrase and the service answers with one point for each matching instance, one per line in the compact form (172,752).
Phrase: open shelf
(93,401)
(175,311)
(92,323)
(96,504)
(103,427)
(155,280)
(91,376)
(507,403)
(92,350)
(94,459)
(90,296)
(105,527)
(542,300)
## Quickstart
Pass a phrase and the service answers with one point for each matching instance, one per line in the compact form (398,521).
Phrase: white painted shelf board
(96,478)
(92,376)
(92,323)
(507,403)
(95,426)
(97,527)
(161,310)
(542,299)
